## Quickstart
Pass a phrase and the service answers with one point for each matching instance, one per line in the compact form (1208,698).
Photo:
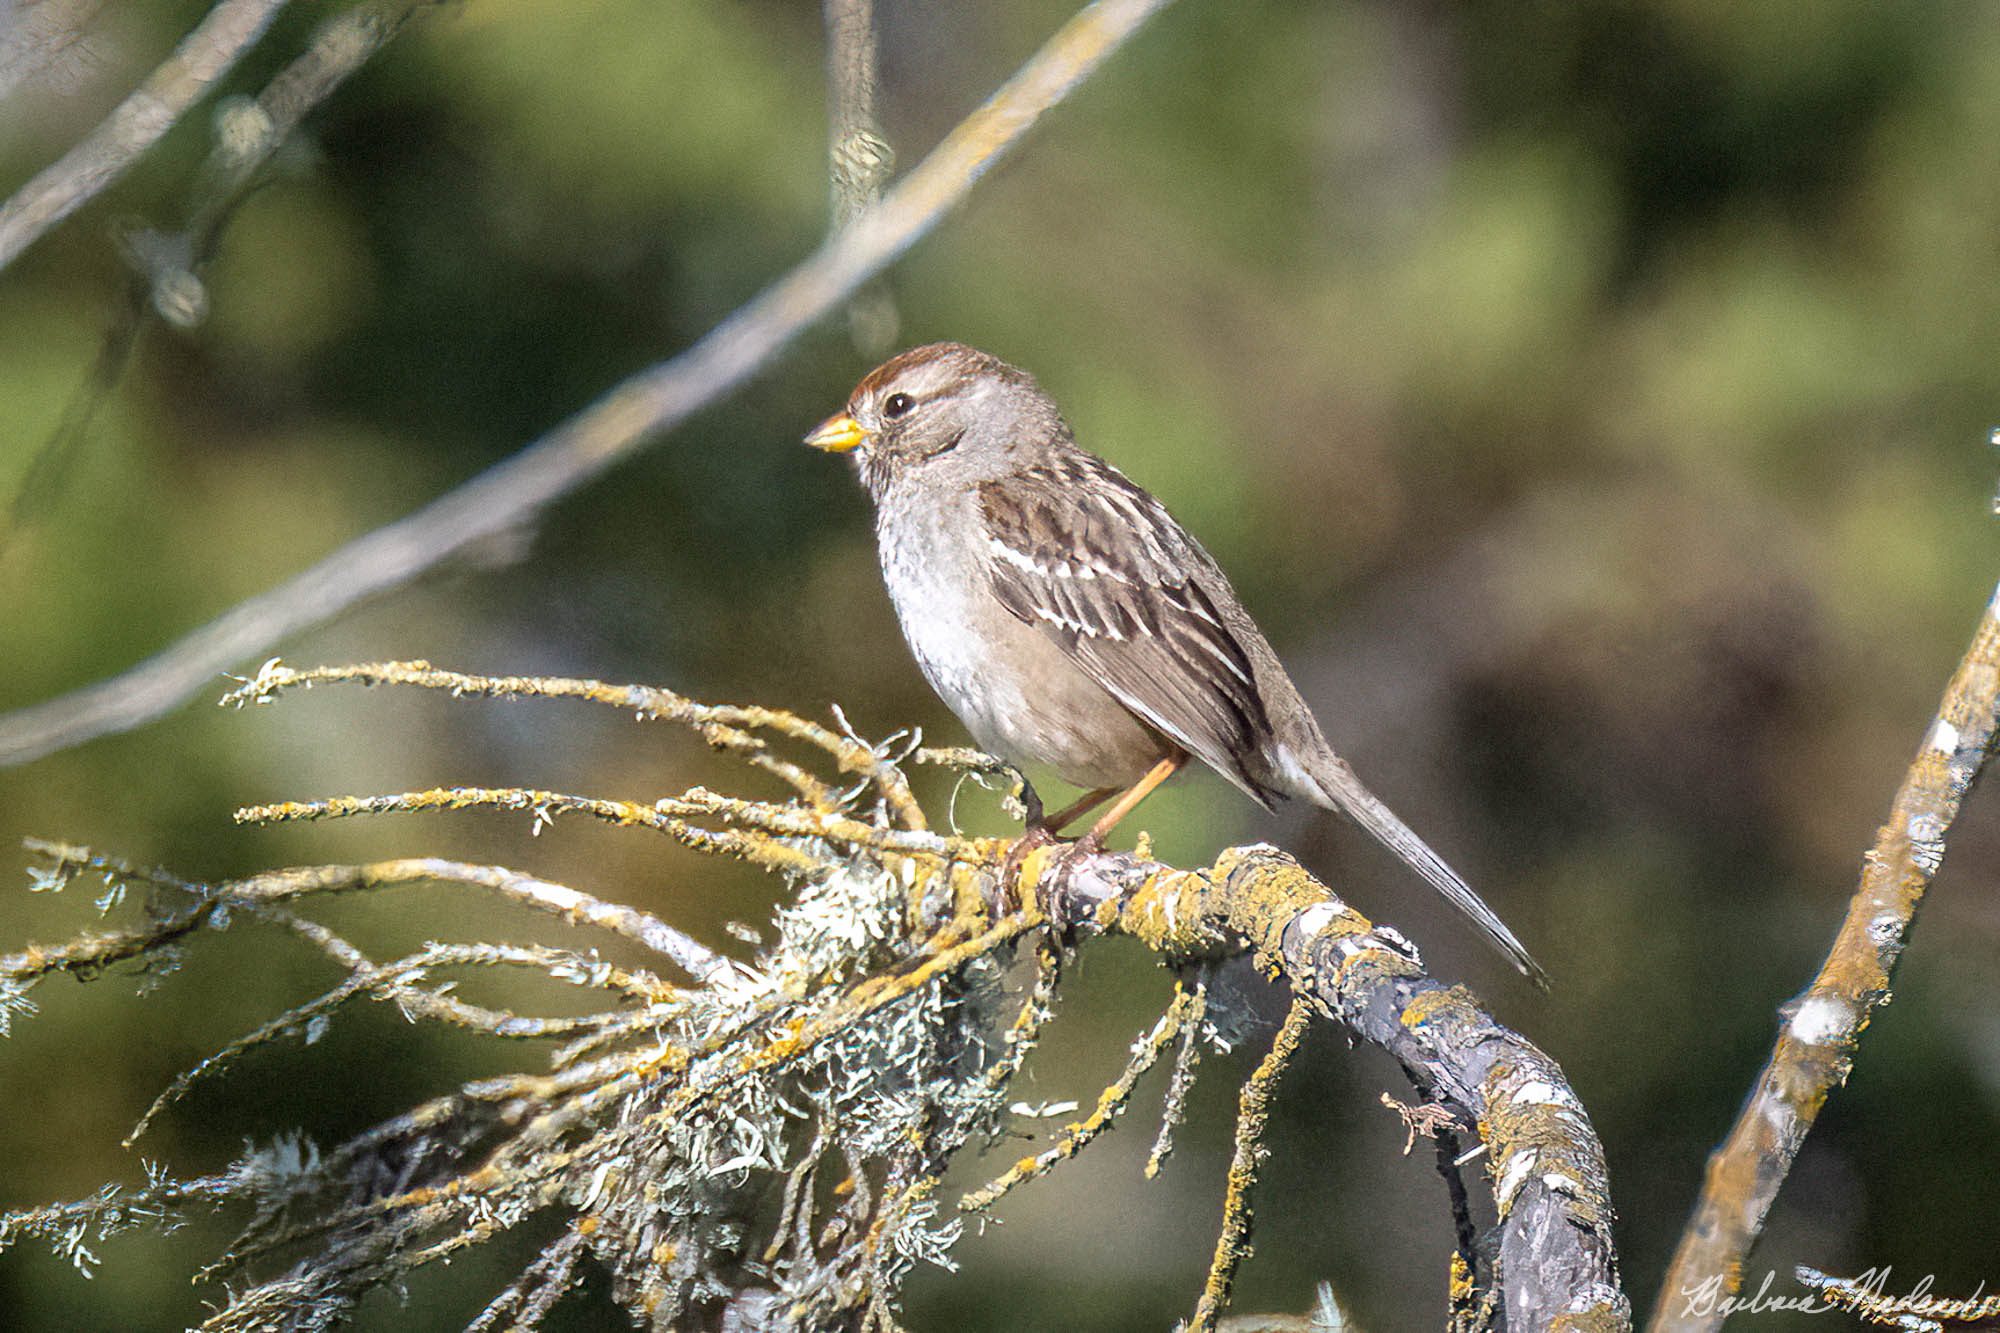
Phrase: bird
(1068,620)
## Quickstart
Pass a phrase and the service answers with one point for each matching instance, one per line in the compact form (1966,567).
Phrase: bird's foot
(1058,901)
(1006,890)
(1090,844)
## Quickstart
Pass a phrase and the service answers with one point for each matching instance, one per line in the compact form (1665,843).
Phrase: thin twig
(135,124)
(528,1298)
(669,815)
(1110,1105)
(1822,1030)
(1253,1113)
(687,953)
(92,953)
(389,981)
(728,727)
(1180,1082)
(509,494)
(1467,1292)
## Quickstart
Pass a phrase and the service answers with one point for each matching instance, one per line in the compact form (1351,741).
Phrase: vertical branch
(859,158)
(1815,1047)
(136,124)
(1253,1113)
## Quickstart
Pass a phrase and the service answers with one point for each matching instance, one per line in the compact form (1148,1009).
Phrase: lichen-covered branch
(1557,1263)
(1110,1105)
(644,406)
(1822,1028)
(1253,1113)
(681,1137)
(727,727)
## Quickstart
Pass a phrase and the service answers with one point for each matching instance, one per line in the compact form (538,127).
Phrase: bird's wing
(1101,568)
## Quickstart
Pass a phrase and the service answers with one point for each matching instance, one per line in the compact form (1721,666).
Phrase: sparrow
(1068,620)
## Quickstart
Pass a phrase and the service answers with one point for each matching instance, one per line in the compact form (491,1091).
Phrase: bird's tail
(1343,792)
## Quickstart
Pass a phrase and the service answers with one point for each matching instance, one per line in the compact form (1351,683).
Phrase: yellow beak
(838,433)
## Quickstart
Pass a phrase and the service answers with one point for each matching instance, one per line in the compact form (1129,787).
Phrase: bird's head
(945,409)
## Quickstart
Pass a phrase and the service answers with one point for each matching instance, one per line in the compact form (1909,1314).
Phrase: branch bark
(858,156)
(1822,1028)
(655,400)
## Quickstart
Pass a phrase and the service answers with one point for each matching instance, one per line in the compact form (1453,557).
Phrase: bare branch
(511,493)
(45,42)
(859,158)
(169,266)
(691,956)
(1822,1028)
(136,124)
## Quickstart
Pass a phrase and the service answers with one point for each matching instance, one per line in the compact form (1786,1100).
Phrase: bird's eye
(897,405)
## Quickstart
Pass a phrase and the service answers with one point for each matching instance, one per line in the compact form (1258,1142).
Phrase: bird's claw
(1006,890)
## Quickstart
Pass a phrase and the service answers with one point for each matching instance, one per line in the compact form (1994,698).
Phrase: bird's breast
(1016,689)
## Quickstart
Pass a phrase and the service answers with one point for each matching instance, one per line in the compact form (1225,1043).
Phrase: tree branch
(876,1034)
(1556,1258)
(1822,1028)
(859,158)
(169,265)
(655,400)
(135,124)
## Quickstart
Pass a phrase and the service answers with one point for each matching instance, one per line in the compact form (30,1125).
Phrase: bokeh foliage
(1591,400)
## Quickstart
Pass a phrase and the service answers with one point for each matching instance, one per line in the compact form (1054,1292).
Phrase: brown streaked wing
(1099,566)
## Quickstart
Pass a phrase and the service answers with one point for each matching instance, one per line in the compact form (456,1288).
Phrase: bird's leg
(1043,829)
(1077,809)
(1031,802)
(1137,792)
(1093,841)
(1037,833)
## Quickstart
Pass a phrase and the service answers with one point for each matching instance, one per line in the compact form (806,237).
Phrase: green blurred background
(1591,400)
